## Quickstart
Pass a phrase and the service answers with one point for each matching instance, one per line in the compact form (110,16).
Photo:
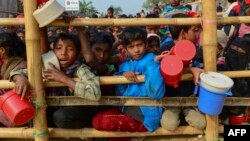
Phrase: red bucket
(237,119)
(185,49)
(18,111)
(171,67)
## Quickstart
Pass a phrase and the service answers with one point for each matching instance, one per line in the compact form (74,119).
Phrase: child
(100,49)
(136,118)
(154,43)
(10,59)
(67,49)
(170,118)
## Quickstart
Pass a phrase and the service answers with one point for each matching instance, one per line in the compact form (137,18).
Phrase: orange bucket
(171,67)
(185,49)
(18,111)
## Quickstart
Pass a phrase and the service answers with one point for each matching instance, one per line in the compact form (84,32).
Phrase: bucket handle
(229,93)
(196,89)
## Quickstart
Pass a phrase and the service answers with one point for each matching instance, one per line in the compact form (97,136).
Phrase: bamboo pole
(138,101)
(89,133)
(107,80)
(209,43)
(132,21)
(32,38)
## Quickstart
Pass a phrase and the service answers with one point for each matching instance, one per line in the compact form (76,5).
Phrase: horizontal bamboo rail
(27,133)
(133,21)
(139,101)
(107,80)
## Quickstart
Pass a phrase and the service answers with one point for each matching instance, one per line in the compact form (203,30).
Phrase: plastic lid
(171,65)
(216,80)
(185,49)
(50,57)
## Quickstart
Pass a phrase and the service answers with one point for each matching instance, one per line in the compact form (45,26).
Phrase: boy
(136,118)
(67,49)
(170,118)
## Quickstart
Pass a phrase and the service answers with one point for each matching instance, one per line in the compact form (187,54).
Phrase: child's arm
(155,86)
(19,76)
(89,56)
(59,76)
(88,87)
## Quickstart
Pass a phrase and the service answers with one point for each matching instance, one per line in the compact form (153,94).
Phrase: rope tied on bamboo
(41,134)
(38,103)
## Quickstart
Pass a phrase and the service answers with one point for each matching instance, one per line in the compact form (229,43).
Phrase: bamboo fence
(40,131)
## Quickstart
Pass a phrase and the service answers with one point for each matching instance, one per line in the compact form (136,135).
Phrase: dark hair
(176,30)
(12,44)
(131,34)
(153,39)
(152,16)
(111,9)
(69,36)
(102,38)
(189,6)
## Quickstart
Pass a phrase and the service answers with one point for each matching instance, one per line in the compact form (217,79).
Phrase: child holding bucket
(67,48)
(11,48)
(135,118)
(170,118)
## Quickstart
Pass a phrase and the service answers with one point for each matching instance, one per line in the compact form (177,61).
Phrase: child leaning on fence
(171,116)
(67,49)
(135,118)
(10,59)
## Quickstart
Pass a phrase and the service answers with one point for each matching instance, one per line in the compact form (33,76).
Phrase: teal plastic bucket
(211,102)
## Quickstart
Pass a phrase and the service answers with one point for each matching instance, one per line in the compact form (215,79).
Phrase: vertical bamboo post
(209,41)
(32,38)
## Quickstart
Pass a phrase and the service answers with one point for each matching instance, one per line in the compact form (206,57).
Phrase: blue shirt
(153,87)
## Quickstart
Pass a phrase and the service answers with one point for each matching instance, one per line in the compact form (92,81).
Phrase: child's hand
(131,76)
(67,17)
(54,74)
(21,85)
(159,57)
(196,74)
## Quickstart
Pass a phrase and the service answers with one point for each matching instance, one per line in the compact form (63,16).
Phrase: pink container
(185,49)
(18,111)
(171,67)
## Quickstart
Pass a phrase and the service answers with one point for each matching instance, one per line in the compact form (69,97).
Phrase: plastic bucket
(237,119)
(18,111)
(211,102)
(185,49)
(171,68)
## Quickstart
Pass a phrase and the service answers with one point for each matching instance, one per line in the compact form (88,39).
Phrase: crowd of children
(90,52)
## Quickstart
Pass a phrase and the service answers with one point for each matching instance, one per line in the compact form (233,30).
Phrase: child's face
(136,49)
(152,29)
(174,3)
(66,52)
(101,51)
(154,47)
(191,34)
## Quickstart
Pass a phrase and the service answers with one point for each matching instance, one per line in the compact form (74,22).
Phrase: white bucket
(50,57)
(216,82)
(48,13)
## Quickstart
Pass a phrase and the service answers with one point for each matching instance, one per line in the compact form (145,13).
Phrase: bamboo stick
(209,43)
(107,80)
(138,101)
(89,133)
(132,21)
(32,39)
